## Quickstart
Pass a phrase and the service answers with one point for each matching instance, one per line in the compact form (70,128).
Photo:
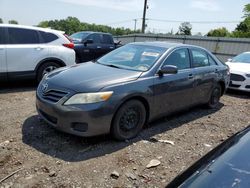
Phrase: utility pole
(135,24)
(144,16)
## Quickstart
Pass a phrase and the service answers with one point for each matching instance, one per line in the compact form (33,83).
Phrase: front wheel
(129,120)
(45,69)
(215,97)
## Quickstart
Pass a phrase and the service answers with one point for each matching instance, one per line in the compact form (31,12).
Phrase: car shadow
(45,139)
(17,86)
(238,94)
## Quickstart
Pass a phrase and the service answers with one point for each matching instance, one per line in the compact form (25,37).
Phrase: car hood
(239,67)
(90,77)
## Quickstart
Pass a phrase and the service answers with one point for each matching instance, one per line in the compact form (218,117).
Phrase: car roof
(90,32)
(165,44)
(31,27)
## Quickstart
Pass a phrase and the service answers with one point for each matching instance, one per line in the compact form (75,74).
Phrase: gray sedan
(130,86)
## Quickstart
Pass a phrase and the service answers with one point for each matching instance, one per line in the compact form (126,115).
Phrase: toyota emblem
(44,87)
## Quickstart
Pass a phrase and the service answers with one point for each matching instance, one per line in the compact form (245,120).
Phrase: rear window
(23,36)
(2,35)
(48,37)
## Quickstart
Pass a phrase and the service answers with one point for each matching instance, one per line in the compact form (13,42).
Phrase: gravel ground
(48,158)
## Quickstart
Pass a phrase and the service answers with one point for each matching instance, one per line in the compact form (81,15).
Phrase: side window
(2,35)
(23,36)
(211,61)
(95,37)
(48,37)
(200,58)
(106,39)
(178,58)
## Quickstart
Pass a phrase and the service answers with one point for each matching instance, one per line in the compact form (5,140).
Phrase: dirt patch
(48,158)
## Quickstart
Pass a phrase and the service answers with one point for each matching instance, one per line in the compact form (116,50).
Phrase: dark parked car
(92,45)
(130,86)
(228,165)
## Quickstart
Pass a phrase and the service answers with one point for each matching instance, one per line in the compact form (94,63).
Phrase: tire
(46,68)
(128,120)
(214,97)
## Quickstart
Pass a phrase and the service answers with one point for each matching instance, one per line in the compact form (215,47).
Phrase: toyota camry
(129,87)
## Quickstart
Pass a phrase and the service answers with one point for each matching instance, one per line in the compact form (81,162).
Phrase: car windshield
(133,57)
(242,58)
(79,36)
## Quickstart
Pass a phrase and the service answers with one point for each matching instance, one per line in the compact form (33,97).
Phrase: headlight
(248,75)
(87,98)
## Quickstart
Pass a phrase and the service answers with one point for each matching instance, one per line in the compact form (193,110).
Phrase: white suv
(31,52)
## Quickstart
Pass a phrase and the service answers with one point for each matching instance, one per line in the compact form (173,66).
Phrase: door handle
(111,47)
(216,70)
(39,48)
(98,47)
(190,76)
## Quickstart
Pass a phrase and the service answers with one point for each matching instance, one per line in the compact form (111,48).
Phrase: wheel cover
(48,69)
(130,119)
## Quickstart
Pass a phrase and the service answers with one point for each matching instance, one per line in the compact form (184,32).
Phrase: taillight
(69,45)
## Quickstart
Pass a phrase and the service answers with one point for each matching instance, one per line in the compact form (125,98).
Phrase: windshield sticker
(153,54)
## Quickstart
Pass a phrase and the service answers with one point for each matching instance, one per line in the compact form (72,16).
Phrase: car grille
(237,77)
(234,85)
(53,95)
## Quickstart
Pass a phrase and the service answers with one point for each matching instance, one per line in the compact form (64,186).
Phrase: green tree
(13,22)
(246,11)
(71,25)
(185,29)
(220,32)
(243,28)
(1,20)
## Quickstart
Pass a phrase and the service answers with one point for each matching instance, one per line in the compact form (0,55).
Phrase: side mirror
(229,60)
(168,69)
(88,41)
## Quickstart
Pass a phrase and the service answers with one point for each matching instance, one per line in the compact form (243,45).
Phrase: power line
(174,21)
(199,22)
(120,22)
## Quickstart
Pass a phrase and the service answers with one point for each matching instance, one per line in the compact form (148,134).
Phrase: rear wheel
(129,120)
(215,97)
(45,69)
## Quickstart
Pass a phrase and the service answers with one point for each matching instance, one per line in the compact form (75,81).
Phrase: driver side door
(174,92)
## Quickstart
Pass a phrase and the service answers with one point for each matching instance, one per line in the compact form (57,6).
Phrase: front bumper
(82,120)
(239,82)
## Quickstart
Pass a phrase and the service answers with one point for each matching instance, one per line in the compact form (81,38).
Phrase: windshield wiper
(111,65)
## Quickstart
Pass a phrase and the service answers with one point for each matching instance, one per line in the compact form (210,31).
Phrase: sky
(163,15)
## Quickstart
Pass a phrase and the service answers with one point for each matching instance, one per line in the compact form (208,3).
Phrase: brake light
(69,45)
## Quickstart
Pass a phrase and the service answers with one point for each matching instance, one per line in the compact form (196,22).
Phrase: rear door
(175,91)
(205,74)
(24,51)
(3,66)
(107,43)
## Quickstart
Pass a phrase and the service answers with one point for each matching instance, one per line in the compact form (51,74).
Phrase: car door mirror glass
(88,41)
(168,69)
